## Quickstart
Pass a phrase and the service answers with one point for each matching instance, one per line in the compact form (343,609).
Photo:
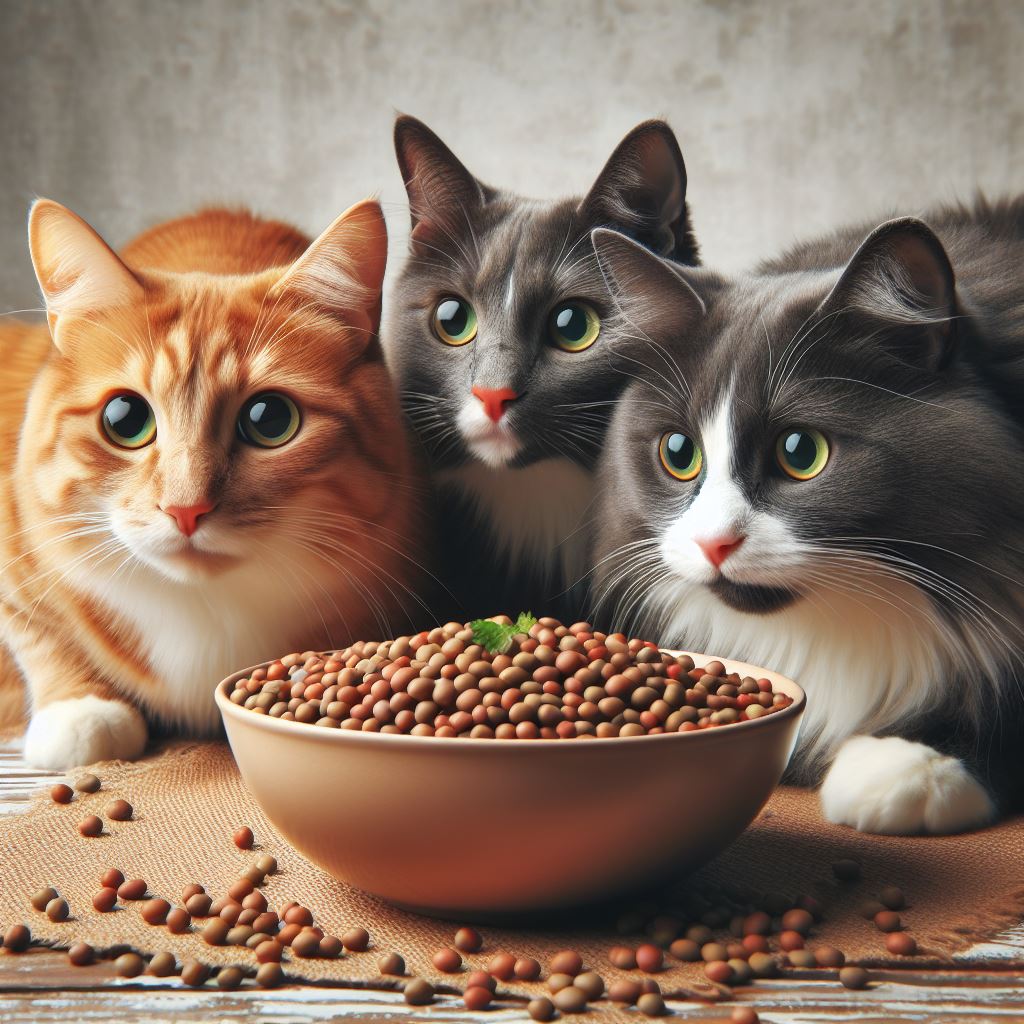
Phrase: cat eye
(455,321)
(801,454)
(128,421)
(268,420)
(681,456)
(574,326)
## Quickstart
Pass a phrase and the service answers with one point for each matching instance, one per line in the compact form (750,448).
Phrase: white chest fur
(537,515)
(867,661)
(194,635)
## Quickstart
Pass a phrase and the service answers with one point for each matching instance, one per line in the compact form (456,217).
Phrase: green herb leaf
(525,622)
(498,638)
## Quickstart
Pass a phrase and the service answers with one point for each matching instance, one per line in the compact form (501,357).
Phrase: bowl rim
(408,742)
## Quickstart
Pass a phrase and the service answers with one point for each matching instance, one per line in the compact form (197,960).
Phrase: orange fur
(312,544)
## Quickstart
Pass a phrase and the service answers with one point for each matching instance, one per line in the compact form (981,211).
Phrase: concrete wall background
(793,115)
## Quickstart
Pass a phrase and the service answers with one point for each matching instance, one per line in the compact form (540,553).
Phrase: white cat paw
(69,733)
(894,787)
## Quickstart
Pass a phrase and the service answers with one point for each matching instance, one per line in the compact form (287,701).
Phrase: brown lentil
(105,900)
(179,920)
(570,999)
(155,911)
(744,1015)
(229,978)
(17,938)
(133,889)
(503,966)
(526,969)
(129,965)
(87,784)
(269,975)
(853,977)
(477,998)
(901,944)
(447,960)
(481,979)
(614,687)
(61,793)
(392,963)
(91,826)
(892,898)
(623,957)
(468,940)
(625,991)
(119,810)
(330,946)
(829,956)
(802,958)
(269,951)
(590,982)
(888,921)
(718,971)
(556,982)
(81,954)
(306,944)
(215,931)
(356,939)
(651,1004)
(418,992)
(244,838)
(40,899)
(568,961)
(267,864)
(194,973)
(540,1009)
(649,958)
(198,904)
(58,910)
(163,965)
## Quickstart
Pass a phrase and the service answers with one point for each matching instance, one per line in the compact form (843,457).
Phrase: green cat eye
(455,321)
(268,420)
(574,326)
(801,454)
(128,421)
(681,456)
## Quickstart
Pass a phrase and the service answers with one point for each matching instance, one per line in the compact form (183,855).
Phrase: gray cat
(821,470)
(497,334)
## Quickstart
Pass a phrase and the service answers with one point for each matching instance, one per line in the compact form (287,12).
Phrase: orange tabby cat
(202,465)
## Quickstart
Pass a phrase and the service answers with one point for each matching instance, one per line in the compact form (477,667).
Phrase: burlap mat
(189,800)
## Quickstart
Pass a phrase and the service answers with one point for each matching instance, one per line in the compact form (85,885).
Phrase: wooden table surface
(40,987)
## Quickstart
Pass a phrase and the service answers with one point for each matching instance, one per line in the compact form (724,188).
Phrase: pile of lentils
(489,680)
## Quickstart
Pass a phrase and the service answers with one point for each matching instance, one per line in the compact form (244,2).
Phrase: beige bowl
(483,827)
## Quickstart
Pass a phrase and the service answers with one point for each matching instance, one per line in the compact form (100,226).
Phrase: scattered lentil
(81,954)
(853,977)
(418,992)
(129,965)
(91,826)
(61,793)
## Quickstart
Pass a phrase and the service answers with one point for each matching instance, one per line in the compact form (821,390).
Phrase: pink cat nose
(718,549)
(187,516)
(495,400)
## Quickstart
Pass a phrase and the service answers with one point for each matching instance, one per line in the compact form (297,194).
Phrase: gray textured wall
(792,114)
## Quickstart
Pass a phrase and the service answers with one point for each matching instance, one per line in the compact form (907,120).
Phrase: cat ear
(650,294)
(642,191)
(77,271)
(901,278)
(442,193)
(343,270)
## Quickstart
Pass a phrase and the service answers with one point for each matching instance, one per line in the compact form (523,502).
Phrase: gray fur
(907,351)
(514,259)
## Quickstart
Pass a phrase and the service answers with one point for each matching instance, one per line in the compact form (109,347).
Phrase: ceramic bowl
(472,828)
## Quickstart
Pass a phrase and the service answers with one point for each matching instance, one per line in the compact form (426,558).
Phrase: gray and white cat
(497,335)
(822,471)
